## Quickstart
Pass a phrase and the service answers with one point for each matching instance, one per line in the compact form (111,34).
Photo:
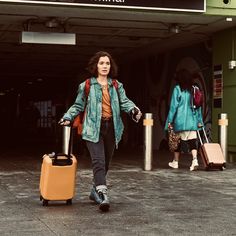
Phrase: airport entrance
(45,47)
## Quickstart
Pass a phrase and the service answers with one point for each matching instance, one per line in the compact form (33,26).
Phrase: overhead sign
(168,5)
(217,86)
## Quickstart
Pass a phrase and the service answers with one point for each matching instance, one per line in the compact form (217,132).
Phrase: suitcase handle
(62,162)
(205,136)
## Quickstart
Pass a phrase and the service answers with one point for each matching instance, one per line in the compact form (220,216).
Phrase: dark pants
(187,145)
(102,152)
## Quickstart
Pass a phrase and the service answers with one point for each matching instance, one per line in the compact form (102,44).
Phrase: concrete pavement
(158,202)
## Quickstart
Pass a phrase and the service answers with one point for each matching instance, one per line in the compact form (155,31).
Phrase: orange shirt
(106,103)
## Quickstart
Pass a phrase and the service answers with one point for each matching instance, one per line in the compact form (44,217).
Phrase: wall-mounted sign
(169,5)
(218,86)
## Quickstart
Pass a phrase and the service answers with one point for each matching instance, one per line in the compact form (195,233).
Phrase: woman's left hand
(138,116)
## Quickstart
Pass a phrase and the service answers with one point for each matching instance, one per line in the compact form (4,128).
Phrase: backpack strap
(87,87)
(115,83)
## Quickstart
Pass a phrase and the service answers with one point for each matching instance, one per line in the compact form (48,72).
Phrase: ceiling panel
(124,33)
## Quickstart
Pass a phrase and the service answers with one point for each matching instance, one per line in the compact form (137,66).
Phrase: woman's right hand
(200,125)
(64,122)
(170,126)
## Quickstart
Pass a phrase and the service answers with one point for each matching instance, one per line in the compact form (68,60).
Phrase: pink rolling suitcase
(211,154)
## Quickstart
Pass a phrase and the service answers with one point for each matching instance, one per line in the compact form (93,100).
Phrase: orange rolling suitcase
(211,154)
(58,176)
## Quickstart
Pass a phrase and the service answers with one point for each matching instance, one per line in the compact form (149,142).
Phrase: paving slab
(158,202)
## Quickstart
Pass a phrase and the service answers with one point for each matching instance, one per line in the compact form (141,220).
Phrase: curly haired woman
(102,125)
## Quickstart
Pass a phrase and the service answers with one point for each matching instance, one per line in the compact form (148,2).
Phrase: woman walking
(102,126)
(183,118)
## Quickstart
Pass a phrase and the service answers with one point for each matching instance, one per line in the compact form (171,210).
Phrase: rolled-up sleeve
(126,104)
(78,105)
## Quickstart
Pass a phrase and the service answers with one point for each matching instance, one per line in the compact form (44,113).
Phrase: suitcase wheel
(45,202)
(69,202)
(223,167)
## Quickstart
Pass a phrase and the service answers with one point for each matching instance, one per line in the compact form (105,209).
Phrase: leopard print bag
(173,140)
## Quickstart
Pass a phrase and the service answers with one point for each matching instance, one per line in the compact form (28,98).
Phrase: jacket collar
(94,81)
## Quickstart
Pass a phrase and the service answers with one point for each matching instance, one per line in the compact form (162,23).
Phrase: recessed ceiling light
(229,19)
(52,23)
(174,28)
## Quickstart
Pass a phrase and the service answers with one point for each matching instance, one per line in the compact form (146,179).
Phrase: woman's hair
(184,79)
(92,64)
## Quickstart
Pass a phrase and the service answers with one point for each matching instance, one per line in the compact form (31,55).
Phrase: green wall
(218,7)
(223,51)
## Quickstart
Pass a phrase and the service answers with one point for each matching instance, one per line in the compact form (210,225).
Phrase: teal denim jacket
(93,109)
(181,114)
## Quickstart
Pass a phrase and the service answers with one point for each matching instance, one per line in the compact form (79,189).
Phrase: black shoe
(105,204)
(94,196)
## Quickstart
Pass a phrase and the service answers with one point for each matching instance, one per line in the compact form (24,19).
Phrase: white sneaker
(174,164)
(194,165)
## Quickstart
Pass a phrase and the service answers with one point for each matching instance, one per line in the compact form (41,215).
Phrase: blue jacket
(93,104)
(181,114)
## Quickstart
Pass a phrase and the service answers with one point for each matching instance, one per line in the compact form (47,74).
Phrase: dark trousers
(102,152)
